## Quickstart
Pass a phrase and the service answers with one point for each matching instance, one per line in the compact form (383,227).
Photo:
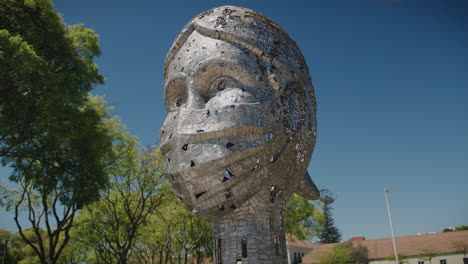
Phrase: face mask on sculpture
(241,112)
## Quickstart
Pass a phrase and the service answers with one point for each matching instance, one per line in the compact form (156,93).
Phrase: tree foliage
(173,234)
(170,234)
(5,241)
(328,233)
(50,134)
(302,218)
(338,255)
(458,228)
(137,188)
(50,209)
(345,253)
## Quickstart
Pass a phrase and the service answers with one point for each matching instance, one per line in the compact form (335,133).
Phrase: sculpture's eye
(175,94)
(222,83)
(178,101)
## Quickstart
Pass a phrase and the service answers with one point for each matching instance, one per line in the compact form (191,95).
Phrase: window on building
(443,261)
(219,252)
(273,193)
(244,247)
(277,250)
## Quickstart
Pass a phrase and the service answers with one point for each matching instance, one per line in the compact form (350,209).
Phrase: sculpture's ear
(294,106)
(307,188)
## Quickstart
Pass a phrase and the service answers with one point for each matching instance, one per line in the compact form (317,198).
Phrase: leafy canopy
(302,218)
(49,134)
(345,253)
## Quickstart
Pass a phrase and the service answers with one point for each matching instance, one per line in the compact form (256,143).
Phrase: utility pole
(397,261)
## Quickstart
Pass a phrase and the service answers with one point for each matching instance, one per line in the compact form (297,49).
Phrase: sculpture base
(253,233)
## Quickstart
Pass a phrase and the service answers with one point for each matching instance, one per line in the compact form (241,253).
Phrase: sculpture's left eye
(223,83)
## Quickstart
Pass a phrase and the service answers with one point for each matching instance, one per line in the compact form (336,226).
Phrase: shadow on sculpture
(240,129)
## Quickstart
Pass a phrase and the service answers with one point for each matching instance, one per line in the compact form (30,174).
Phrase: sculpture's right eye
(175,94)
(178,101)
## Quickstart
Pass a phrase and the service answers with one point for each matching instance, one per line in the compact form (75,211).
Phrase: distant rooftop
(438,243)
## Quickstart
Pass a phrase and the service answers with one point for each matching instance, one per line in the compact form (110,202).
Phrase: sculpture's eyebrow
(174,86)
(179,75)
(212,69)
(203,67)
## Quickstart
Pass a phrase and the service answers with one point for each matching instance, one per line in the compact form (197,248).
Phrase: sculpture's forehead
(199,50)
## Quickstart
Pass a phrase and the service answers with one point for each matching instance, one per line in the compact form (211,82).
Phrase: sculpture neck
(253,233)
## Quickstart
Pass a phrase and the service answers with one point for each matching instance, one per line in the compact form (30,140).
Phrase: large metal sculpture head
(241,112)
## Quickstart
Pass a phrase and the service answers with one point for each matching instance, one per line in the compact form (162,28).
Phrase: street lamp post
(391,227)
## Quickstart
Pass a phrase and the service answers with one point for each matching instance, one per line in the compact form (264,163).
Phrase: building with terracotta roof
(435,248)
(297,249)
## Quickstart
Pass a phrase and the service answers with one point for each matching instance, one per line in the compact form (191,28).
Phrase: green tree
(21,251)
(50,135)
(302,218)
(137,187)
(458,228)
(174,234)
(77,251)
(328,232)
(345,253)
(360,254)
(5,240)
(340,254)
(194,236)
(53,188)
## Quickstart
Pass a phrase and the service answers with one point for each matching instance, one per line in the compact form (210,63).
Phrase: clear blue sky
(391,80)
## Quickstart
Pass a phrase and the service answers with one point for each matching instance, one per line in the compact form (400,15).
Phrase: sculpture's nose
(196,99)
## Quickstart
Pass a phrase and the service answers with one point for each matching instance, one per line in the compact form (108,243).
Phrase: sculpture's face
(228,132)
(212,74)
(215,101)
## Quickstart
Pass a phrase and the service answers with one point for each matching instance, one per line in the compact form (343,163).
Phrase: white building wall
(450,259)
